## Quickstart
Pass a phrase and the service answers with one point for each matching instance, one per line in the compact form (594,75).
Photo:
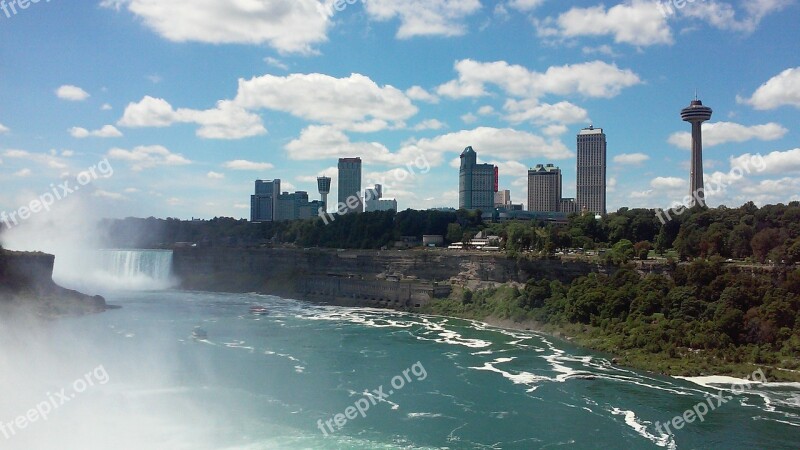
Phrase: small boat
(199,334)
(259,310)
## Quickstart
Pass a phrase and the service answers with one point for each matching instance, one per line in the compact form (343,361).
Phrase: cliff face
(33,271)
(282,271)
(26,284)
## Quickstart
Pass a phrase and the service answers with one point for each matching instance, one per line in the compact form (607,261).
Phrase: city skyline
(275,94)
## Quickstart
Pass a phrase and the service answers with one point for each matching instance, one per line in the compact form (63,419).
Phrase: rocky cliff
(280,271)
(26,285)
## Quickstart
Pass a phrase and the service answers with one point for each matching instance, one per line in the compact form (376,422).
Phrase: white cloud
(324,142)
(511,168)
(469,118)
(145,157)
(719,133)
(108,131)
(431,124)
(4,129)
(290,27)
(241,164)
(541,113)
(319,142)
(604,49)
(503,143)
(525,5)
(149,112)
(636,22)
(275,62)
(108,195)
(781,90)
(46,160)
(590,79)
(347,103)
(776,190)
(631,158)
(420,94)
(106,107)
(787,162)
(641,194)
(226,121)
(24,173)
(425,17)
(155,78)
(486,110)
(555,130)
(215,175)
(670,183)
(723,16)
(71,93)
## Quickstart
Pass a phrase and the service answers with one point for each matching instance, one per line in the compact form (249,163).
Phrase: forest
(764,235)
(706,317)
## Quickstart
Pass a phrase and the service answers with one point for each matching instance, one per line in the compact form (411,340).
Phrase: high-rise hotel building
(592,170)
(477,183)
(264,204)
(350,185)
(544,188)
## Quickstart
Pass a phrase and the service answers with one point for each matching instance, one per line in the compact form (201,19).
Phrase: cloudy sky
(192,100)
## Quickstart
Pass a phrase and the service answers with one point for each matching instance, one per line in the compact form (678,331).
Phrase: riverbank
(693,365)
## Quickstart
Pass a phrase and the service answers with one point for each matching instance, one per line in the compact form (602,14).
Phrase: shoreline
(621,360)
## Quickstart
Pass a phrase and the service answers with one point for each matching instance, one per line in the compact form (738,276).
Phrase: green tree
(642,249)
(454,232)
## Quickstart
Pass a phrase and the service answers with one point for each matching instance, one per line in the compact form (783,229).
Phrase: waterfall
(138,270)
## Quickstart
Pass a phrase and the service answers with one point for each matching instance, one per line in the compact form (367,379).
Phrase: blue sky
(192,100)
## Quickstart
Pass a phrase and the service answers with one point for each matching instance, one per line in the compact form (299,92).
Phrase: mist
(72,232)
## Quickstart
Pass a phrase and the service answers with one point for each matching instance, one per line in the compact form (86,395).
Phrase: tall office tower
(264,204)
(350,185)
(592,170)
(544,188)
(324,186)
(502,199)
(477,183)
(696,114)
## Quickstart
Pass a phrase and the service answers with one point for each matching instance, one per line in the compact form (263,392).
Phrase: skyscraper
(350,185)
(544,188)
(592,170)
(264,204)
(696,114)
(477,183)
(502,199)
(324,186)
